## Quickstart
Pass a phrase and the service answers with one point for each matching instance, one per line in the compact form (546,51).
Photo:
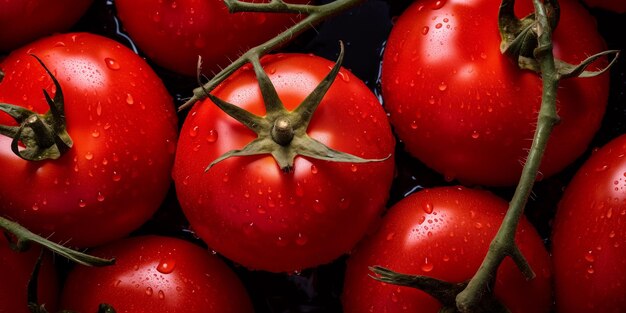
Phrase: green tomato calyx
(280,132)
(43,135)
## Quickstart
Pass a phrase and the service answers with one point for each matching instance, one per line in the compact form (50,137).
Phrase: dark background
(364,30)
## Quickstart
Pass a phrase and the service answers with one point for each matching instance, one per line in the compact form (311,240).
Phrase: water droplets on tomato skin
(112,64)
(166,266)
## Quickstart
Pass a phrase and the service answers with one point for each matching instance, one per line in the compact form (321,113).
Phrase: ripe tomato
(189,28)
(16,269)
(618,6)
(444,233)
(123,125)
(156,274)
(252,212)
(24,21)
(589,235)
(467,111)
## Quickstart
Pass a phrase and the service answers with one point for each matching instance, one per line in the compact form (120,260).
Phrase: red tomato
(589,235)
(24,21)
(618,6)
(444,233)
(16,269)
(249,210)
(467,111)
(189,28)
(123,125)
(156,274)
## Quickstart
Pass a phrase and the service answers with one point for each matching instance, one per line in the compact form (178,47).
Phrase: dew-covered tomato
(174,33)
(156,274)
(444,233)
(123,126)
(16,269)
(254,213)
(589,235)
(467,111)
(24,21)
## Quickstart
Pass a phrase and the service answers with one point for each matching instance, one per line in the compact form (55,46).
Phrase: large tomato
(444,233)
(156,274)
(123,125)
(24,21)
(16,269)
(589,235)
(466,110)
(192,28)
(252,212)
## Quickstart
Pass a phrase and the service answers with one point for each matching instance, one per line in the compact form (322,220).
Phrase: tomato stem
(503,244)
(315,14)
(23,237)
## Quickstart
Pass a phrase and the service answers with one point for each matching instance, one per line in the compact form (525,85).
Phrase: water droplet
(438,25)
(301,240)
(117,176)
(193,132)
(428,208)
(212,137)
(89,156)
(318,206)
(478,225)
(445,20)
(112,64)
(413,124)
(427,266)
(602,168)
(280,242)
(82,203)
(174,5)
(117,283)
(161,294)
(249,229)
(590,270)
(95,133)
(438,4)
(353,168)
(35,207)
(443,86)
(425,30)
(166,266)
(299,190)
(129,99)
(589,257)
(156,17)
(313,169)
(475,135)
(149,291)
(100,197)
(344,77)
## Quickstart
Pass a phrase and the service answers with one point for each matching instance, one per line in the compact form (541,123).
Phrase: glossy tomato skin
(617,6)
(24,21)
(444,233)
(250,211)
(156,274)
(16,269)
(589,235)
(123,125)
(190,28)
(467,111)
